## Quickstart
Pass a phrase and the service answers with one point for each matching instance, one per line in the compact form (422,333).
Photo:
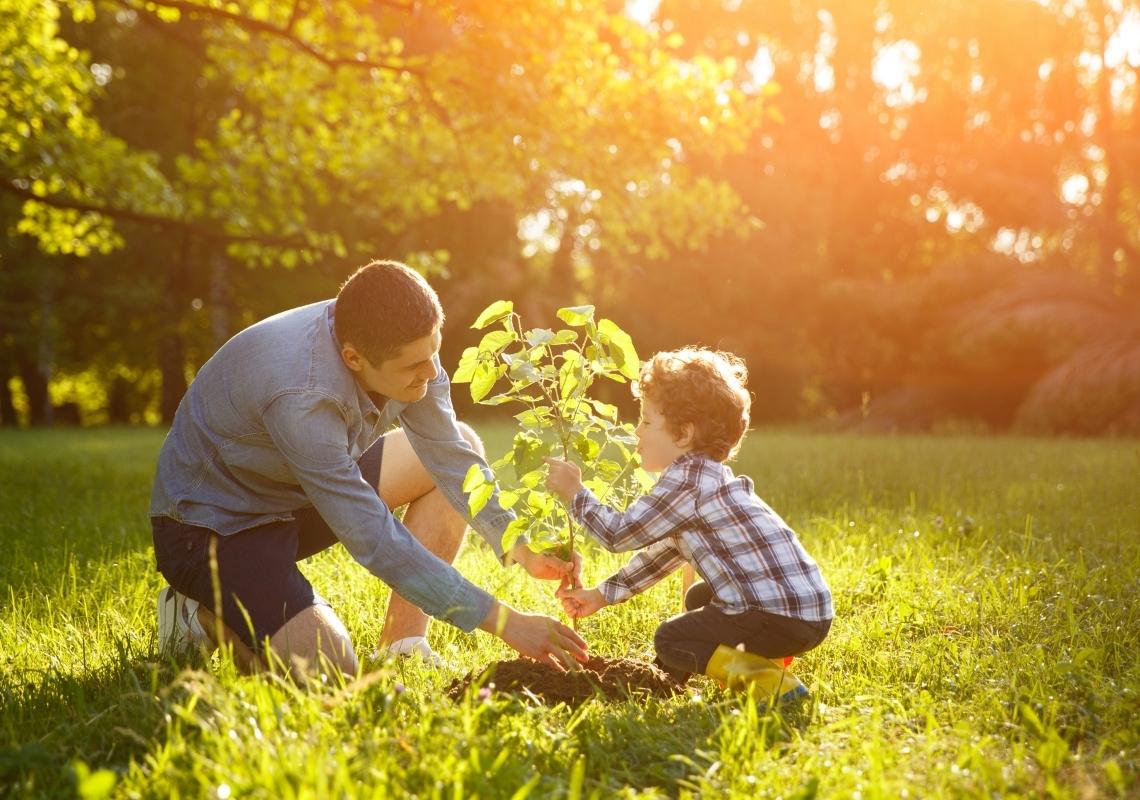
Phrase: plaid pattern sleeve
(643,570)
(669,507)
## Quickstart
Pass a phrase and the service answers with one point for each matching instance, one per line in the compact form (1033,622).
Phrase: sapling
(549,373)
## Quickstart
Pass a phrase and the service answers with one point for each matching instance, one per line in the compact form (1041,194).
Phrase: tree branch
(268,29)
(168,31)
(143,218)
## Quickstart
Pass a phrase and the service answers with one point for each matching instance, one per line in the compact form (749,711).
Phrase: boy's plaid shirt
(700,513)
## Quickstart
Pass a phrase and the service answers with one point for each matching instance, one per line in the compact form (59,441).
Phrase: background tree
(302,134)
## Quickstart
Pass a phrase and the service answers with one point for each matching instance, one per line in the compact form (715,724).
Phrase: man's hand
(580,603)
(563,478)
(534,636)
(547,566)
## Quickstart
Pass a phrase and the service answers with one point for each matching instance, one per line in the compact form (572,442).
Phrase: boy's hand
(581,602)
(563,478)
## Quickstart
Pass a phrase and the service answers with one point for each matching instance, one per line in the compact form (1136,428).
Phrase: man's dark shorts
(258,581)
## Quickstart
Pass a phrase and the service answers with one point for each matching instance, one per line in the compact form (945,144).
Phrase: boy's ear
(688,431)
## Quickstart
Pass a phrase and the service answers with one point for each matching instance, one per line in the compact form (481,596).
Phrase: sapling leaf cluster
(548,375)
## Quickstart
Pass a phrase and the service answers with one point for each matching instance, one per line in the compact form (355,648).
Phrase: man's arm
(310,432)
(433,432)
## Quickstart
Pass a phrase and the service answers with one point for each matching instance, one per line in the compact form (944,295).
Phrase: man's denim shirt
(274,422)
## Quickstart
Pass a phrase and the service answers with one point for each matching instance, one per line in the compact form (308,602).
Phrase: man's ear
(352,358)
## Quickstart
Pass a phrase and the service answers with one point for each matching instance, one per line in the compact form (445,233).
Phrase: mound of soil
(610,678)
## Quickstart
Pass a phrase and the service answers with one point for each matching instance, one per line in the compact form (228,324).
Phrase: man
(276,453)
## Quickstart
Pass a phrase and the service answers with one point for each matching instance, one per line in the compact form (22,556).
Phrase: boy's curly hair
(703,388)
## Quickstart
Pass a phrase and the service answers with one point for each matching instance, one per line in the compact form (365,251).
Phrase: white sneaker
(416,647)
(178,626)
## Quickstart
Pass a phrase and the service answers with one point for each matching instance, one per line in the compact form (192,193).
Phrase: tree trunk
(36,387)
(219,298)
(7,402)
(171,344)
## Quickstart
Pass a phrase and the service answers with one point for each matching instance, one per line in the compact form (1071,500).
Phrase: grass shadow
(105,717)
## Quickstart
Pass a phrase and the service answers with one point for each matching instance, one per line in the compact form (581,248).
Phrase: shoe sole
(168,611)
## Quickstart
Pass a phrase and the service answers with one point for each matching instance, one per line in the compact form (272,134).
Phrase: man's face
(403,377)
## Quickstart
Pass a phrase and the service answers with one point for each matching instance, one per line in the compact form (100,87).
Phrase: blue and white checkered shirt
(702,514)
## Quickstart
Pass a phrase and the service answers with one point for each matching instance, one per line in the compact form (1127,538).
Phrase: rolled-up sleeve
(433,432)
(309,430)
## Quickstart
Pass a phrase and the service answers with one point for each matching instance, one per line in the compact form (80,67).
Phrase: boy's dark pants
(687,641)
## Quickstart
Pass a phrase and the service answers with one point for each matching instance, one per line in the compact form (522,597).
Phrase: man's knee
(311,639)
(472,438)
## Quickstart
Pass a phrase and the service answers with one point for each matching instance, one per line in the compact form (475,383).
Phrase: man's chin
(412,394)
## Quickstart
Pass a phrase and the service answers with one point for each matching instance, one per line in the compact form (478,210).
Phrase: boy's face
(403,377)
(655,444)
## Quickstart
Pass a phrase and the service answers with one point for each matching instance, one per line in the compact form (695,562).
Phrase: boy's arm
(651,518)
(643,570)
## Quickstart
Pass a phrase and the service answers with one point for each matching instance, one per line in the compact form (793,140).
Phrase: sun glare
(642,11)
(1124,46)
(1075,189)
(895,66)
(761,68)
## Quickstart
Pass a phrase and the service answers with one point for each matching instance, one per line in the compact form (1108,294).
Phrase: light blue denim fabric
(274,422)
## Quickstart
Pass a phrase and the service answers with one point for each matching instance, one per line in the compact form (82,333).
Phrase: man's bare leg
(430,518)
(313,641)
(246,660)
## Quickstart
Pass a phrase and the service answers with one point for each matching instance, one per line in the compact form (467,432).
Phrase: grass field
(987,643)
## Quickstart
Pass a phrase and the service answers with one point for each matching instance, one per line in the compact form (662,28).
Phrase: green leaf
(570,374)
(587,448)
(508,499)
(529,452)
(533,418)
(564,336)
(498,400)
(494,312)
(474,478)
(621,348)
(607,469)
(576,315)
(483,381)
(495,341)
(525,372)
(478,499)
(606,410)
(539,336)
(467,364)
(540,503)
(644,479)
(514,531)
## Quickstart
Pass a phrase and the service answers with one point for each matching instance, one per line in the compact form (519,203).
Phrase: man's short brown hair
(383,306)
(702,388)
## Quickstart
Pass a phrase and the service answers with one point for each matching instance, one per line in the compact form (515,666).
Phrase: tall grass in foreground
(986,644)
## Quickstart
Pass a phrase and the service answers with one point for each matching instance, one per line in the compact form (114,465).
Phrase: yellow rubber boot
(759,676)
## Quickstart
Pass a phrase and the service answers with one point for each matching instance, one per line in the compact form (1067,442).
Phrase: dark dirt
(609,678)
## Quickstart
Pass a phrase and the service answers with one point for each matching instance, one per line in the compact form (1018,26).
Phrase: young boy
(760,588)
